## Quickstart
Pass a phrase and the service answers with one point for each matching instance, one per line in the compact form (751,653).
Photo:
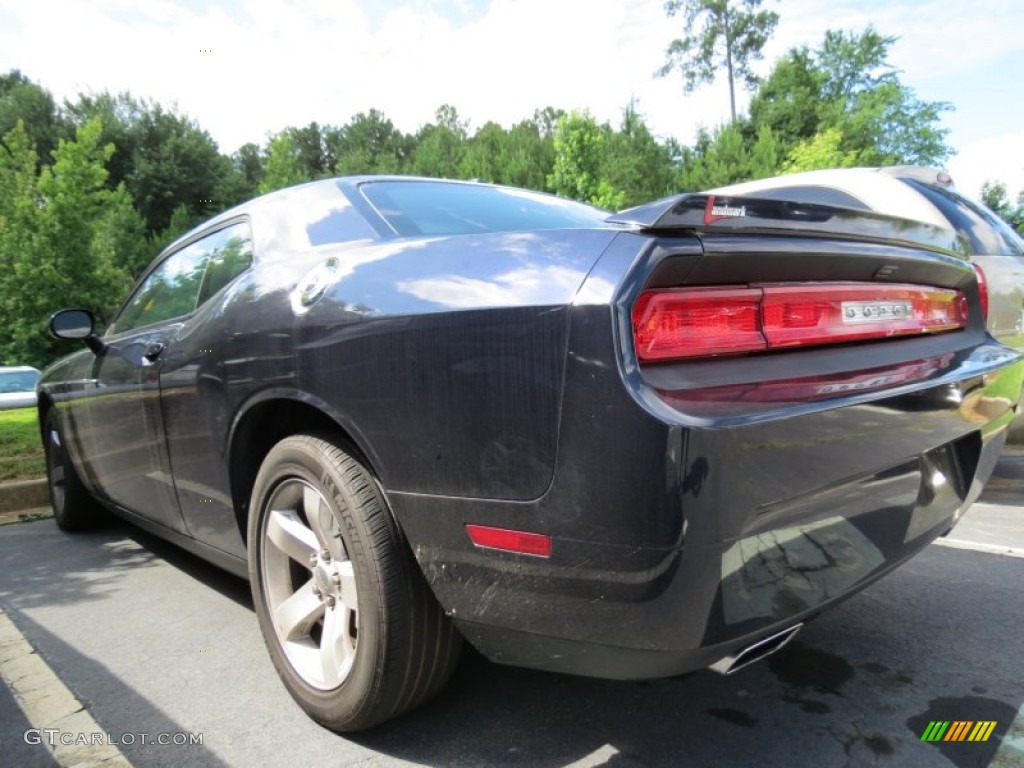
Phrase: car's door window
(187,278)
(230,254)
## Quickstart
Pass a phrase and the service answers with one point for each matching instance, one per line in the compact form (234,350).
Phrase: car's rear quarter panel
(449,356)
(677,535)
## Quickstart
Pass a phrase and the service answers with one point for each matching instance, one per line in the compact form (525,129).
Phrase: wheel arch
(272,416)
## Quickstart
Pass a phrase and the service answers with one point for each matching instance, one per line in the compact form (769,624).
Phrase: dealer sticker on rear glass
(875,311)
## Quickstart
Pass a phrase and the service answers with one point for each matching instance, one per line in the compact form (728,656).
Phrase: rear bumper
(780,570)
(675,546)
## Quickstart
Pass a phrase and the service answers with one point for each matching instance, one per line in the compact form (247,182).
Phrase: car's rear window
(440,208)
(986,232)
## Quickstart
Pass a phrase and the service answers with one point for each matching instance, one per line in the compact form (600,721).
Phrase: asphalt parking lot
(153,642)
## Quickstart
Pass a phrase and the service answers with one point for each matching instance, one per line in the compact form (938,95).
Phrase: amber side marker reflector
(537,544)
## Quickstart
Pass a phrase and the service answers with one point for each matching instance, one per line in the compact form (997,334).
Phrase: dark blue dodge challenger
(413,411)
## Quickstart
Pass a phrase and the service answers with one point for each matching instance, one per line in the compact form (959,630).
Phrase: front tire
(351,626)
(74,508)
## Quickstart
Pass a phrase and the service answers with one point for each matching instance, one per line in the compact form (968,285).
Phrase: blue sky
(286,62)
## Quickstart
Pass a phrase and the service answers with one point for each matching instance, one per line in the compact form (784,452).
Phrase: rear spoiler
(754,215)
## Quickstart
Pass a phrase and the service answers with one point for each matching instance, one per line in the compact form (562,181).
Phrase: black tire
(74,508)
(399,648)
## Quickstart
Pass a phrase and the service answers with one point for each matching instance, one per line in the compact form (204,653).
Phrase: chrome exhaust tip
(755,651)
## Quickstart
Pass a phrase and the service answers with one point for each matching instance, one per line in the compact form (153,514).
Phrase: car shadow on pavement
(859,687)
(118,709)
(89,565)
(94,562)
(227,584)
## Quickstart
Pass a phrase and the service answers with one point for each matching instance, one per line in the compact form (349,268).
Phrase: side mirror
(75,325)
(72,324)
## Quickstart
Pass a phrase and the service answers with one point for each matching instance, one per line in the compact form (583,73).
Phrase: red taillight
(806,315)
(684,323)
(982,289)
(675,324)
(511,541)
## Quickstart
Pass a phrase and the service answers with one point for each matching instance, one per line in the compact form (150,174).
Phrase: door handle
(153,351)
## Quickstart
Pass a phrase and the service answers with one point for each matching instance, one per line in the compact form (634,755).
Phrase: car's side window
(170,290)
(187,278)
(230,254)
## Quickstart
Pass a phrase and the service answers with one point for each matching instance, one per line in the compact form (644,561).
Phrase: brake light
(806,315)
(685,323)
(982,289)
(674,324)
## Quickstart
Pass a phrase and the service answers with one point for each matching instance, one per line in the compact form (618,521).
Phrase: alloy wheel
(309,584)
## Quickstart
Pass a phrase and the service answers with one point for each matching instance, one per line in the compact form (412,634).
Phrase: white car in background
(921,194)
(18,386)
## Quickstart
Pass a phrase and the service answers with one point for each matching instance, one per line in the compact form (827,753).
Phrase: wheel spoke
(290,535)
(319,516)
(348,585)
(295,616)
(336,646)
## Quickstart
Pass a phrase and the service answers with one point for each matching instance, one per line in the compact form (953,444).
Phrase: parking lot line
(57,718)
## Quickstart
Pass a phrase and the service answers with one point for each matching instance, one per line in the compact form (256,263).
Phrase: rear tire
(74,508)
(351,625)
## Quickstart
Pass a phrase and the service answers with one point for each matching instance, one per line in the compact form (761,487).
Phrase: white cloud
(999,158)
(935,37)
(288,62)
(276,63)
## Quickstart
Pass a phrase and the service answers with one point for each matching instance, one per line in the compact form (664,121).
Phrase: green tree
(788,101)
(248,161)
(21,99)
(485,155)
(847,84)
(164,159)
(440,146)
(993,194)
(368,143)
(635,162)
(310,150)
(729,33)
(547,119)
(528,155)
(120,235)
(880,118)
(726,156)
(580,146)
(59,244)
(282,166)
(820,151)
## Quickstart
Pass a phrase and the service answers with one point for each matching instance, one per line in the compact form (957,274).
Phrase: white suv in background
(922,194)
